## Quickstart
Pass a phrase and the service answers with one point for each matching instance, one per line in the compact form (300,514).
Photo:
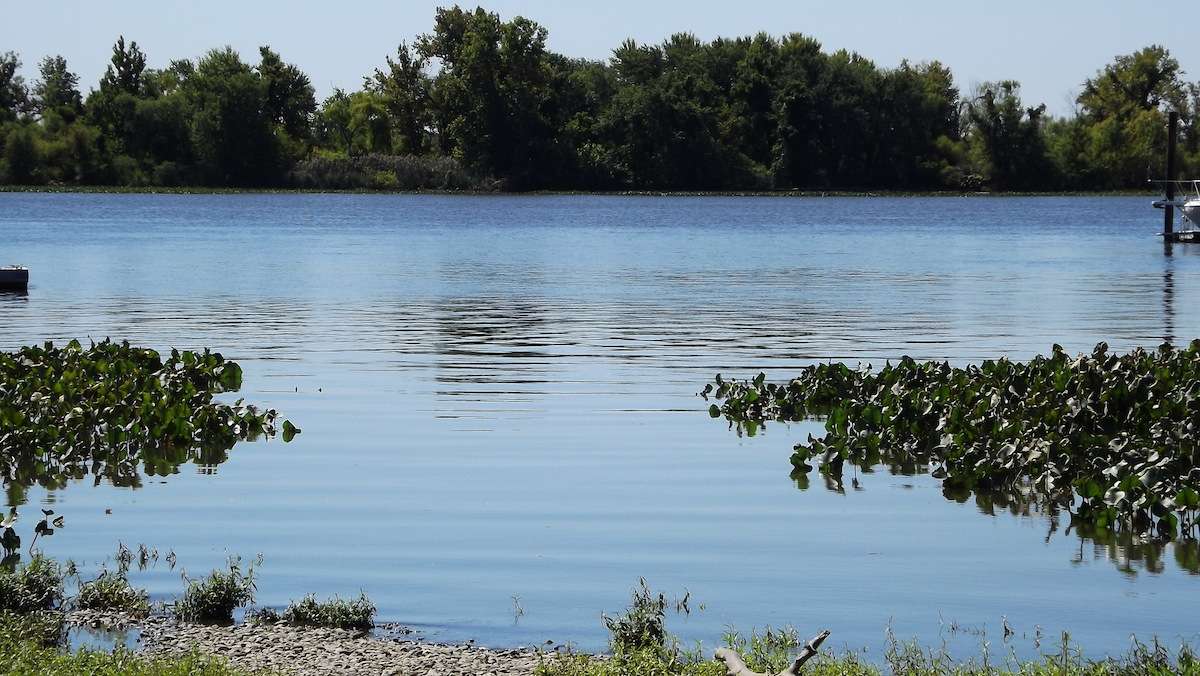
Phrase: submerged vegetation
(112,409)
(1110,438)
(481,102)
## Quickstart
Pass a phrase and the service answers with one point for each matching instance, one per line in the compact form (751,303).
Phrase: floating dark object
(15,277)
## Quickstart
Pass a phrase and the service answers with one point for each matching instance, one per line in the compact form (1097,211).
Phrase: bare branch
(736,666)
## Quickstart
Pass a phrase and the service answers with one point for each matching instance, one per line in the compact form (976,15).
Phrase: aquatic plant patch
(111,592)
(212,600)
(336,613)
(1112,438)
(36,586)
(110,408)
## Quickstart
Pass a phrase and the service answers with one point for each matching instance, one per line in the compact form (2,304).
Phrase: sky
(1050,46)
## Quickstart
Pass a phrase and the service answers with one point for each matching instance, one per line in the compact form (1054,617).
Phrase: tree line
(480,102)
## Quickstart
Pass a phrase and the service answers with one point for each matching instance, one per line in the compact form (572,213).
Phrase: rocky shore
(283,649)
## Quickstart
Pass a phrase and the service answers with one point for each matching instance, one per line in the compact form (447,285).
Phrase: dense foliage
(479,102)
(104,410)
(1111,438)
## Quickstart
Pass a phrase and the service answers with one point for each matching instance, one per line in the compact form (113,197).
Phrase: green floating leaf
(289,431)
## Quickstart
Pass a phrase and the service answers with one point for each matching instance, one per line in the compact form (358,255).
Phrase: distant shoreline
(200,190)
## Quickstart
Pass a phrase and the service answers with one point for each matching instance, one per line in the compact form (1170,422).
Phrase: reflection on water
(25,468)
(1169,299)
(1131,553)
(498,399)
(102,639)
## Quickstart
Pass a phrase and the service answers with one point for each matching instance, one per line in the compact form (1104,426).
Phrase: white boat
(14,277)
(1188,205)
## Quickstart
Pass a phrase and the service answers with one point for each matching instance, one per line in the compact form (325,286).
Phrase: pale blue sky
(1051,46)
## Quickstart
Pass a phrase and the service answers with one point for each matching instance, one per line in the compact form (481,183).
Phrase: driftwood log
(736,666)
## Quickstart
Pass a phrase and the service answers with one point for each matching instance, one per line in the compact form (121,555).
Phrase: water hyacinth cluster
(1112,438)
(110,408)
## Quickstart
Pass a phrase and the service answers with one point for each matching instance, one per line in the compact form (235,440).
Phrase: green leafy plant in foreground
(1115,438)
(212,600)
(104,410)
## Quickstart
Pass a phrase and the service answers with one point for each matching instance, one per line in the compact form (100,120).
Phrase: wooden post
(1169,211)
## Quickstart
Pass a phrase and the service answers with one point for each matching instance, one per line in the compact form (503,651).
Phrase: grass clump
(1142,659)
(264,616)
(773,654)
(111,592)
(643,624)
(23,652)
(336,613)
(41,628)
(213,599)
(640,646)
(36,586)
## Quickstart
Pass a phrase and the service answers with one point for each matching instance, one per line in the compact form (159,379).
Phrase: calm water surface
(498,400)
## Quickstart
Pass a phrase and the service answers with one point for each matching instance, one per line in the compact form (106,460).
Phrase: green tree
(799,141)
(490,94)
(1068,144)
(14,96)
(231,125)
(918,122)
(664,124)
(1010,145)
(112,106)
(57,89)
(404,88)
(125,68)
(290,100)
(21,157)
(1124,108)
(370,126)
(333,122)
(748,117)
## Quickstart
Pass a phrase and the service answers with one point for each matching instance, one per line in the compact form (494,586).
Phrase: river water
(501,431)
